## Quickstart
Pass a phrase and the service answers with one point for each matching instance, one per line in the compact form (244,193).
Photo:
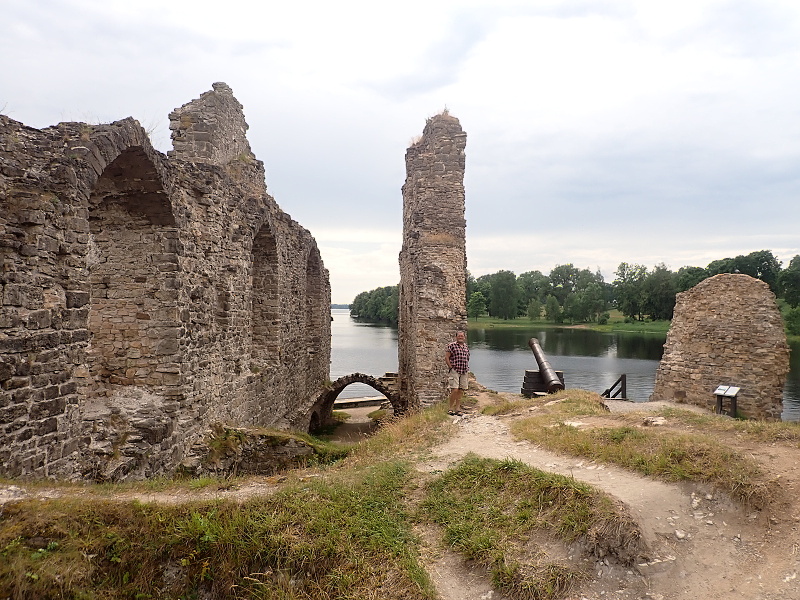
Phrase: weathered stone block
(47,408)
(77,299)
(7,369)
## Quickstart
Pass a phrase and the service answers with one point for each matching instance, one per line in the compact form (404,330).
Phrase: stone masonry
(145,297)
(433,260)
(727,330)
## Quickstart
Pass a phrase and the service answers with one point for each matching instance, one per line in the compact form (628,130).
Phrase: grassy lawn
(616,322)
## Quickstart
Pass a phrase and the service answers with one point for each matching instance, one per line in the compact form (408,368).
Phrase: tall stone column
(433,260)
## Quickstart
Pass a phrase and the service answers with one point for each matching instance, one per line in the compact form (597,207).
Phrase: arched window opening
(265,318)
(133,264)
(316,309)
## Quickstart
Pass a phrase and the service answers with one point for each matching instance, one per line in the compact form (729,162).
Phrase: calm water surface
(499,357)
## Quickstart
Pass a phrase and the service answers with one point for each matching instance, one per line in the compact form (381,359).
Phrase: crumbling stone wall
(433,260)
(145,297)
(727,330)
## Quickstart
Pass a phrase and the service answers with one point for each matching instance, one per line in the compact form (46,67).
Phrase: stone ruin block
(727,330)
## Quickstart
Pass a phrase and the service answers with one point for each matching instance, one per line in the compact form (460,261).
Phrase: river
(590,360)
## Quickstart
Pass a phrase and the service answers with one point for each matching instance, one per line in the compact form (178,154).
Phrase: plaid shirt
(459,356)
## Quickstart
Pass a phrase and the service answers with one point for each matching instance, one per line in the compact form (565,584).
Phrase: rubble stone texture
(146,297)
(727,330)
(433,260)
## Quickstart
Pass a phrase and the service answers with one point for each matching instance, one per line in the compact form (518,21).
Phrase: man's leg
(455,399)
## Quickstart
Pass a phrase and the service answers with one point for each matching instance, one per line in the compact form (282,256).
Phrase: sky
(598,131)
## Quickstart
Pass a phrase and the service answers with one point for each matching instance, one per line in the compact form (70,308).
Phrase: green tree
(503,298)
(476,305)
(564,281)
(688,277)
(721,265)
(793,321)
(628,289)
(592,300)
(470,286)
(789,282)
(552,310)
(483,284)
(532,286)
(658,293)
(761,264)
(534,309)
(377,306)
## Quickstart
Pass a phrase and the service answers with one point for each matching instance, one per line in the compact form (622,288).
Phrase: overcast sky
(597,131)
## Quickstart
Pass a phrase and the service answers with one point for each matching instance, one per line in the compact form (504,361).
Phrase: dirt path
(702,544)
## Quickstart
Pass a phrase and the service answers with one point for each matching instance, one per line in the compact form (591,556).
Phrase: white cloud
(599,131)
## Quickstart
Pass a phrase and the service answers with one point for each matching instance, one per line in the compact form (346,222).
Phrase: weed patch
(488,509)
(348,538)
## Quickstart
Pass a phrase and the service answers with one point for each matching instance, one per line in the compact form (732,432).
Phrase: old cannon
(546,379)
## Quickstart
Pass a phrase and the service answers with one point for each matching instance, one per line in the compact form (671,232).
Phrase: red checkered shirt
(459,356)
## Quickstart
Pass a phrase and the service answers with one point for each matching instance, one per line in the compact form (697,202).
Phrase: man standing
(457,358)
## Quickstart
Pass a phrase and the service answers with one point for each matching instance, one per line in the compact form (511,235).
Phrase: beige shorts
(457,380)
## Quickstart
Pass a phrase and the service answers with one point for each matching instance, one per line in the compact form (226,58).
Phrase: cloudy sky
(599,131)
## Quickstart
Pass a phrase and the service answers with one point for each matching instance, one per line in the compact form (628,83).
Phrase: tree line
(572,295)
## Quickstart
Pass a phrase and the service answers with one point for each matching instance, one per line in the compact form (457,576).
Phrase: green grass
(489,510)
(758,431)
(616,322)
(656,452)
(348,537)
(347,533)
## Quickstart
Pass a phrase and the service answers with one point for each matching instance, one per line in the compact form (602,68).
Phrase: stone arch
(323,406)
(132,263)
(265,318)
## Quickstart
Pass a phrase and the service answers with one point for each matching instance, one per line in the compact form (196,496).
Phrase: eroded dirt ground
(702,545)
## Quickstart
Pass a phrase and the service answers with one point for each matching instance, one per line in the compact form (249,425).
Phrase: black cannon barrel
(549,376)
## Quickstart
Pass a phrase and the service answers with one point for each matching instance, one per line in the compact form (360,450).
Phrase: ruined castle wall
(727,330)
(133,289)
(433,260)
(210,129)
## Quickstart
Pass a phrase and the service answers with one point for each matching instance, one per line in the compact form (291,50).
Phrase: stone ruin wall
(433,260)
(145,298)
(727,330)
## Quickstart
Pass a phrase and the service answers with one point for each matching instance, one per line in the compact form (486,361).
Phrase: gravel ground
(623,406)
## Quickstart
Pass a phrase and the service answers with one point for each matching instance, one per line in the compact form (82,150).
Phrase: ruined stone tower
(145,297)
(727,330)
(433,260)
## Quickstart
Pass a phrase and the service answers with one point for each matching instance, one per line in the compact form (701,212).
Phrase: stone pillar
(727,330)
(433,260)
